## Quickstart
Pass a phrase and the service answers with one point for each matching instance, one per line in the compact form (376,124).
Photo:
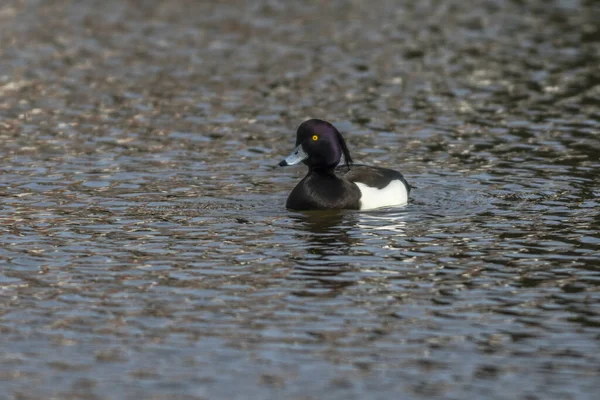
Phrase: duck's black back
(376,177)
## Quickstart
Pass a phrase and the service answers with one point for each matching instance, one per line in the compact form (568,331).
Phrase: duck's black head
(318,145)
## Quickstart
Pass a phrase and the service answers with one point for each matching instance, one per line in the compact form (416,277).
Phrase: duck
(328,185)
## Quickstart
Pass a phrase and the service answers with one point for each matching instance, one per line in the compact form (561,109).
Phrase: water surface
(146,251)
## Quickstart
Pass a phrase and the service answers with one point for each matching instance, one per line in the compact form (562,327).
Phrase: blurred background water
(146,251)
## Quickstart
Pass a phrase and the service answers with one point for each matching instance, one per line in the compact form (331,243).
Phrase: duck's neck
(323,171)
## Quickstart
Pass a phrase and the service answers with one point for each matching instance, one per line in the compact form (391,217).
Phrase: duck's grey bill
(295,157)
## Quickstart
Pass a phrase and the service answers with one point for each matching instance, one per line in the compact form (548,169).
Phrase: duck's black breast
(323,192)
(375,177)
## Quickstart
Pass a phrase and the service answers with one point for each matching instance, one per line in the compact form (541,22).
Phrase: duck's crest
(347,159)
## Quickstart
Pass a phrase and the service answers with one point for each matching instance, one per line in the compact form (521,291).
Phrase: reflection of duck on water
(332,238)
(327,236)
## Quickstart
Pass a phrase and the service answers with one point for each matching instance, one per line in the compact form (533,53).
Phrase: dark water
(146,251)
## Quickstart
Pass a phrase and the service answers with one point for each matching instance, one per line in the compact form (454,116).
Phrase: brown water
(145,249)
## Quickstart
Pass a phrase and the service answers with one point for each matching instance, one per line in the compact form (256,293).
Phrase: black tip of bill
(283,163)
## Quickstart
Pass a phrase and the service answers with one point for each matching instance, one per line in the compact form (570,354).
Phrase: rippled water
(146,251)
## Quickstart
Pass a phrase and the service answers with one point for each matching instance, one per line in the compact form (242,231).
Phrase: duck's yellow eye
(315,138)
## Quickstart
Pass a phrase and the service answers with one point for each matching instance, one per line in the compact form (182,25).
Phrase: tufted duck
(320,146)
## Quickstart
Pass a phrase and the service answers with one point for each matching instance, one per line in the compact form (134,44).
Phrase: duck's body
(326,186)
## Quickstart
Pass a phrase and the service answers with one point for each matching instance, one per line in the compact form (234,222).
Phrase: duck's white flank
(394,194)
